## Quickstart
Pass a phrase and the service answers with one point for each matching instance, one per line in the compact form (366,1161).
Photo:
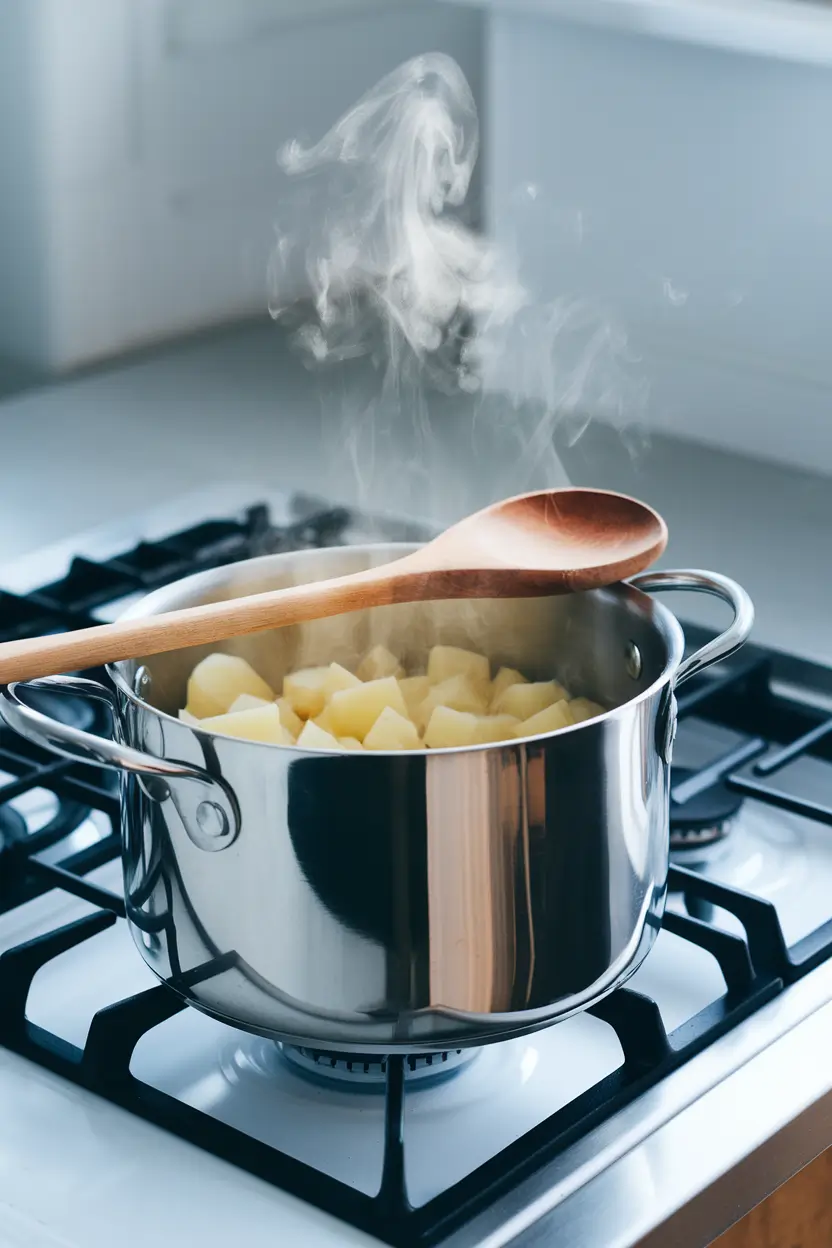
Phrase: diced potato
(350,743)
(447,661)
(339,678)
(378,663)
(505,678)
(414,690)
(188,718)
(548,720)
(305,691)
(354,711)
(288,718)
(260,723)
(247,702)
(313,737)
(495,728)
(581,709)
(218,681)
(392,731)
(523,701)
(457,692)
(448,728)
(324,720)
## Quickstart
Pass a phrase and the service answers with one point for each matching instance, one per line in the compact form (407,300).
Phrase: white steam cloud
(379,237)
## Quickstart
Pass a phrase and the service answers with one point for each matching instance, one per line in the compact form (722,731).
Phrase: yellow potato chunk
(352,712)
(288,718)
(247,702)
(581,709)
(218,681)
(458,693)
(260,723)
(414,690)
(314,738)
(350,743)
(305,690)
(505,678)
(339,678)
(378,663)
(392,731)
(495,728)
(447,661)
(548,720)
(188,718)
(523,701)
(324,720)
(447,728)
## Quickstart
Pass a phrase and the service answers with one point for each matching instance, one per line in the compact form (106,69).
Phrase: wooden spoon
(552,542)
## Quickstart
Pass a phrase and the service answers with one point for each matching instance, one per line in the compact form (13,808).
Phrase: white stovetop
(77,1172)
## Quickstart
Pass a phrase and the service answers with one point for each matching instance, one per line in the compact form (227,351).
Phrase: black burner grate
(777,731)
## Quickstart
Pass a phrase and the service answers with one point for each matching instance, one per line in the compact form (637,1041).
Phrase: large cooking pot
(401,901)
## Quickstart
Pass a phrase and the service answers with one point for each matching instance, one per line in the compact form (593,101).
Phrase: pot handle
(211,816)
(720,587)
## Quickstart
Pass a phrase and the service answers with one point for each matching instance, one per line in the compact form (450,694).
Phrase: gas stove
(492,1146)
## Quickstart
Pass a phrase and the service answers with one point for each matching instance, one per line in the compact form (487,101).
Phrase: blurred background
(667,159)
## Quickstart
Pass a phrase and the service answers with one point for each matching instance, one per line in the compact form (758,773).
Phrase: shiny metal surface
(407,901)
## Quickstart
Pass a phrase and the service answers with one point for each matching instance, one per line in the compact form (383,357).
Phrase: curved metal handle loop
(212,822)
(720,587)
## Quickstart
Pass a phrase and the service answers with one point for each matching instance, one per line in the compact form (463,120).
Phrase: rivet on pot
(632,656)
(213,824)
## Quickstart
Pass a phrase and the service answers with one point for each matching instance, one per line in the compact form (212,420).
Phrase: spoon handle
(205,624)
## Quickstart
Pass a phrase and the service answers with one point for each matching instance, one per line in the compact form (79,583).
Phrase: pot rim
(669,626)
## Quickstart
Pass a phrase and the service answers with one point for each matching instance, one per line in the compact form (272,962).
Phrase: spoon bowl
(548,542)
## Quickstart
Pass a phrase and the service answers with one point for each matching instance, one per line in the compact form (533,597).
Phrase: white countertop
(238,406)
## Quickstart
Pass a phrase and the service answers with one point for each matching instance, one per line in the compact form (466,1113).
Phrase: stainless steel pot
(392,902)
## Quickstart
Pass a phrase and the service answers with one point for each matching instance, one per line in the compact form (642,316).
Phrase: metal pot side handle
(211,818)
(719,587)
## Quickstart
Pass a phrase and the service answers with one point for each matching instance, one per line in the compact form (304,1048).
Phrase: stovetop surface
(747,916)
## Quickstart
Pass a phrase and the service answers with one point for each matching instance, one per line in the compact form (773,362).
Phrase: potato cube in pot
(288,718)
(392,731)
(447,661)
(352,712)
(378,663)
(548,720)
(218,680)
(493,728)
(324,720)
(315,738)
(305,690)
(582,708)
(505,678)
(448,728)
(247,702)
(414,690)
(260,723)
(523,701)
(350,743)
(457,692)
(339,678)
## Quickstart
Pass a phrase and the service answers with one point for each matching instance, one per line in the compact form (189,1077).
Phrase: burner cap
(370,1069)
(703,819)
(12,827)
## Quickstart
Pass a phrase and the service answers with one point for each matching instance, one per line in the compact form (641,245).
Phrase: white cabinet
(688,190)
(140,184)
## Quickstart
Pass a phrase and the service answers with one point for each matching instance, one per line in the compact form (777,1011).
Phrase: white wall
(147,166)
(690,190)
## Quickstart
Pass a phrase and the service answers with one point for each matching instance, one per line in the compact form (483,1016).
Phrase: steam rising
(379,237)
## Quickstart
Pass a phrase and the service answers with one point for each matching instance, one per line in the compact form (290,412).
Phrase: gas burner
(706,819)
(369,1070)
(12,828)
